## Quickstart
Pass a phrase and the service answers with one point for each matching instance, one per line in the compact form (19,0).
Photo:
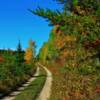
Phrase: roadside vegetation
(33,90)
(14,69)
(72,52)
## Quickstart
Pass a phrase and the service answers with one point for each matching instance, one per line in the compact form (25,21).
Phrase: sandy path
(19,90)
(46,91)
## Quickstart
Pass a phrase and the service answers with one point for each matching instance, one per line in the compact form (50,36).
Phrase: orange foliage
(53,70)
(97,90)
(2,59)
(28,55)
(95,44)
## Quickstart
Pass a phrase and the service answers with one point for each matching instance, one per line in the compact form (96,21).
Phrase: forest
(72,52)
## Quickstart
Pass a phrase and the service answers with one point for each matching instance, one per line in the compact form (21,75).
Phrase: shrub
(12,76)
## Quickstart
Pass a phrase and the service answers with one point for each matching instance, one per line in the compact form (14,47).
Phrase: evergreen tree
(82,18)
(82,21)
(19,54)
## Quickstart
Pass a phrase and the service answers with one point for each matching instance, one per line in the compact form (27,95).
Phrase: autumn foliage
(30,52)
(72,51)
(2,59)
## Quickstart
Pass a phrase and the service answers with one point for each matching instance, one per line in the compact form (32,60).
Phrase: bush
(12,76)
(85,70)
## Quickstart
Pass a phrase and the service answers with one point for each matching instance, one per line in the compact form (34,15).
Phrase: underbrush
(76,83)
(13,76)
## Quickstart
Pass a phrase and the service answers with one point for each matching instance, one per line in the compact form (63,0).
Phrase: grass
(32,91)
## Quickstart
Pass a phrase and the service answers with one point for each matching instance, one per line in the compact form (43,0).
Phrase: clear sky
(16,22)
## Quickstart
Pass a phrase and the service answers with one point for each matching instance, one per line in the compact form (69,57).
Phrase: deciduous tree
(30,52)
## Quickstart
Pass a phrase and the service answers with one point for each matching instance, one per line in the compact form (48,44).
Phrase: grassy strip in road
(32,91)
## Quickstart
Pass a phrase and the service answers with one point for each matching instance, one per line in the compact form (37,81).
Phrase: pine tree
(79,18)
(19,54)
(82,17)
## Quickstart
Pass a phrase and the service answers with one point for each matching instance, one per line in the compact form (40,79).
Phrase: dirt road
(46,91)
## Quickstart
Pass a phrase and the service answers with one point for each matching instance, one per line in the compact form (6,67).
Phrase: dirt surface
(46,91)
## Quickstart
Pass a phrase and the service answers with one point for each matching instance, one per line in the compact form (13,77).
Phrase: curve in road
(46,91)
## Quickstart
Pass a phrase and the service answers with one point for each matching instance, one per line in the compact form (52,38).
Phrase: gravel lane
(46,91)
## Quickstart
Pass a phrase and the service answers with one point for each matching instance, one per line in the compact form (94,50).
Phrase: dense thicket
(78,18)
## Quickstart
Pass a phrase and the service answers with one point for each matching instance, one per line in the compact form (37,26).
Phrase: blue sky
(16,22)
